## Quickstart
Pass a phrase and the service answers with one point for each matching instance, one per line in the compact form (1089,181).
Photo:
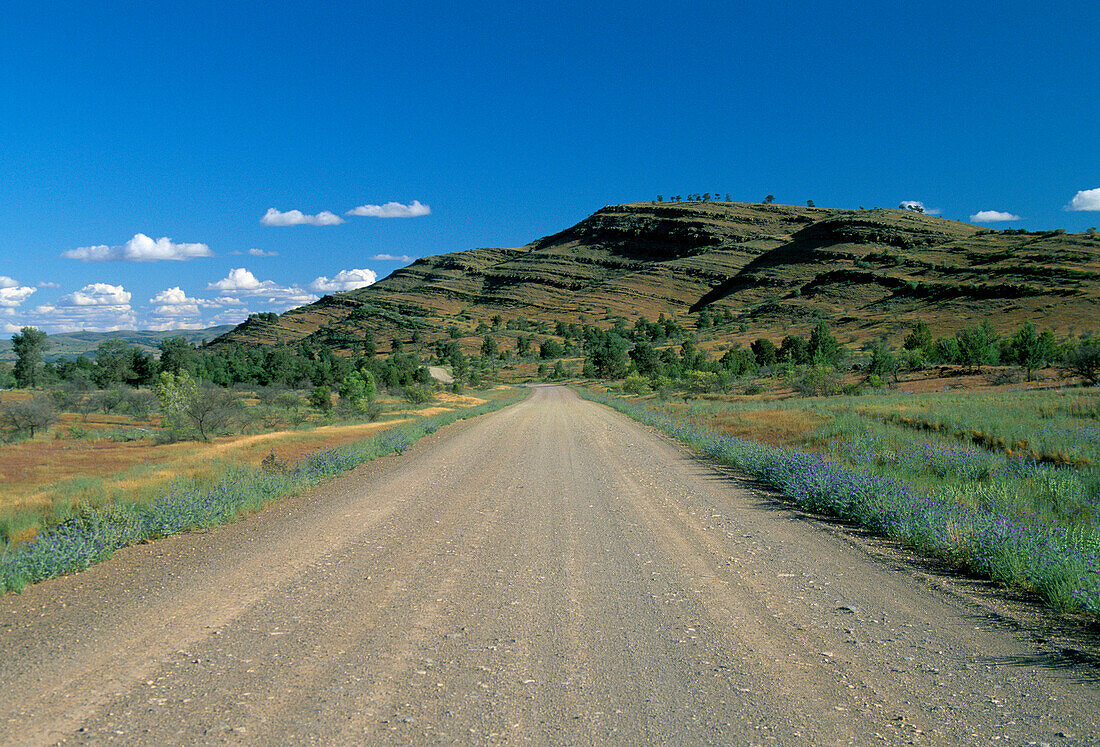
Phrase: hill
(72,344)
(774,268)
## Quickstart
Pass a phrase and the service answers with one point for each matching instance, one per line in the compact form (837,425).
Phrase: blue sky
(142,144)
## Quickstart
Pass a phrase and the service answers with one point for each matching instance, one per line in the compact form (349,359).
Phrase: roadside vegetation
(998,473)
(98,453)
(1010,435)
(92,517)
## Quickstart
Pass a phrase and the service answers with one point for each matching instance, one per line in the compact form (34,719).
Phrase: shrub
(814,380)
(702,382)
(635,384)
(139,402)
(212,410)
(752,386)
(25,419)
(418,394)
(1083,359)
(321,398)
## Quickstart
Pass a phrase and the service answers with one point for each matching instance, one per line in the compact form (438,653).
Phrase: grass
(98,517)
(1031,455)
(107,456)
(1009,517)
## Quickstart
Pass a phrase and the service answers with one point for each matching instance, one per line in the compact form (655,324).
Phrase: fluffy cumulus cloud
(173,302)
(240,282)
(392,210)
(992,216)
(297,218)
(1086,199)
(99,294)
(238,279)
(141,248)
(393,258)
(345,280)
(13,293)
(98,306)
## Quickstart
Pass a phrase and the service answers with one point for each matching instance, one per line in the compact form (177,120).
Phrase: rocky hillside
(776,268)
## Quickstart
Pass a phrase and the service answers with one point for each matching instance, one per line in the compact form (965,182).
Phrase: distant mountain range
(764,270)
(72,344)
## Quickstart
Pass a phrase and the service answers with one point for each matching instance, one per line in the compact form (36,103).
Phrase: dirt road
(552,573)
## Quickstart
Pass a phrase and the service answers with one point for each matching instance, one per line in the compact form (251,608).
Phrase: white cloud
(98,294)
(13,293)
(297,218)
(393,258)
(98,306)
(239,279)
(164,325)
(992,216)
(141,248)
(48,284)
(1086,199)
(173,302)
(261,253)
(171,296)
(241,282)
(392,210)
(908,204)
(345,280)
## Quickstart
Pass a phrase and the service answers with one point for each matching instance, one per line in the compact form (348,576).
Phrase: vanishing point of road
(551,573)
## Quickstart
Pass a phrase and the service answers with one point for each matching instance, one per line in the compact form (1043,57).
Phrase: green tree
(174,392)
(823,346)
(28,344)
(794,349)
(358,390)
(370,347)
(977,345)
(608,355)
(1031,350)
(114,363)
(764,351)
(550,349)
(691,358)
(321,398)
(645,359)
(1083,359)
(769,199)
(920,338)
(176,354)
(883,361)
(489,347)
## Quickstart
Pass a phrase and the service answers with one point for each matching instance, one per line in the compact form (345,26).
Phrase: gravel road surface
(552,573)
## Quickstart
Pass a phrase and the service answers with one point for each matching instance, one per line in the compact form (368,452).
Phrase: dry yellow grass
(775,427)
(43,477)
(33,473)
